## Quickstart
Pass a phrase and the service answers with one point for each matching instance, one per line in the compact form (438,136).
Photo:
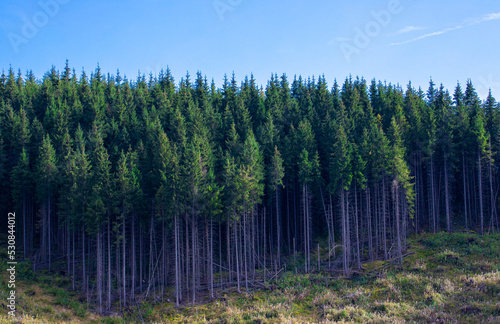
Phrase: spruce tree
(47,173)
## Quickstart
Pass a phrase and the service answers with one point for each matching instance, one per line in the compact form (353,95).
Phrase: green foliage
(77,154)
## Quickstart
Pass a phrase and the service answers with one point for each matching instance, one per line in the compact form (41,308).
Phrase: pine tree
(21,191)
(277,173)
(47,172)
(480,139)
(444,134)
(99,205)
(401,174)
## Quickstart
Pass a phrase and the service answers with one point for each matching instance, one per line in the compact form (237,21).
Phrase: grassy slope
(446,279)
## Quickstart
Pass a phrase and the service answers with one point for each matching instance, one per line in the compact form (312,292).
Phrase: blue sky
(390,40)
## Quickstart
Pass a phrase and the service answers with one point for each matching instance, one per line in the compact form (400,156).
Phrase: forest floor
(443,279)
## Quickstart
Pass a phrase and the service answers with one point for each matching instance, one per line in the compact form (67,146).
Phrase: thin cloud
(408,29)
(488,17)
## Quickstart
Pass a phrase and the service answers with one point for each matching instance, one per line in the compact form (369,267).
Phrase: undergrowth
(447,278)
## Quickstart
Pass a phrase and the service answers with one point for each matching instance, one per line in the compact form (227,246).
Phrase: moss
(448,278)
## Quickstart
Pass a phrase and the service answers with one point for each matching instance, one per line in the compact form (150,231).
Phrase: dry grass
(449,279)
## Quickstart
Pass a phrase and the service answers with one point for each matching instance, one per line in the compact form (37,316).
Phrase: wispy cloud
(488,17)
(408,29)
(471,22)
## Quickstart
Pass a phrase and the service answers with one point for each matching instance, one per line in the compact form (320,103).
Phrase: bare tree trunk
(99,273)
(133,264)
(397,215)
(74,268)
(278,225)
(492,197)
(369,219)
(245,245)
(356,223)
(211,248)
(328,220)
(109,263)
(465,191)
(481,217)
(304,199)
(151,254)
(118,273)
(447,195)
(141,256)
(124,262)
(332,221)
(24,228)
(68,256)
(348,229)
(163,255)
(308,228)
(344,230)
(237,258)
(49,232)
(384,216)
(433,197)
(177,263)
(264,239)
(376,211)
(220,254)
(288,223)
(84,273)
(228,252)
(194,257)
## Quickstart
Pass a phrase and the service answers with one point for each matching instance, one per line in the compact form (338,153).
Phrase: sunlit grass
(448,278)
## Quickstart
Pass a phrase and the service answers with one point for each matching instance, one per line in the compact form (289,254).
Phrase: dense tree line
(155,188)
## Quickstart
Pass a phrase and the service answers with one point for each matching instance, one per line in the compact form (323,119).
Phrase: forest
(152,188)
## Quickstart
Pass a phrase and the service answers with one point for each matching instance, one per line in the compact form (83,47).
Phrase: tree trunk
(84,273)
(74,268)
(99,274)
(25,245)
(245,246)
(356,223)
(492,198)
(68,254)
(193,247)
(237,257)
(447,195)
(124,262)
(278,225)
(133,264)
(384,216)
(369,219)
(398,221)
(177,263)
(304,199)
(109,263)
(433,199)
(344,230)
(479,174)
(49,232)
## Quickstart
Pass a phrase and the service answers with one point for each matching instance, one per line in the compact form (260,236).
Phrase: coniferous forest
(184,189)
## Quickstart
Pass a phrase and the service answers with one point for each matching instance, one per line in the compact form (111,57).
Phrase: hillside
(445,278)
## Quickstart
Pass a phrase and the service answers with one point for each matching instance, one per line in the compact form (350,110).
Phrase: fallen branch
(276,274)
